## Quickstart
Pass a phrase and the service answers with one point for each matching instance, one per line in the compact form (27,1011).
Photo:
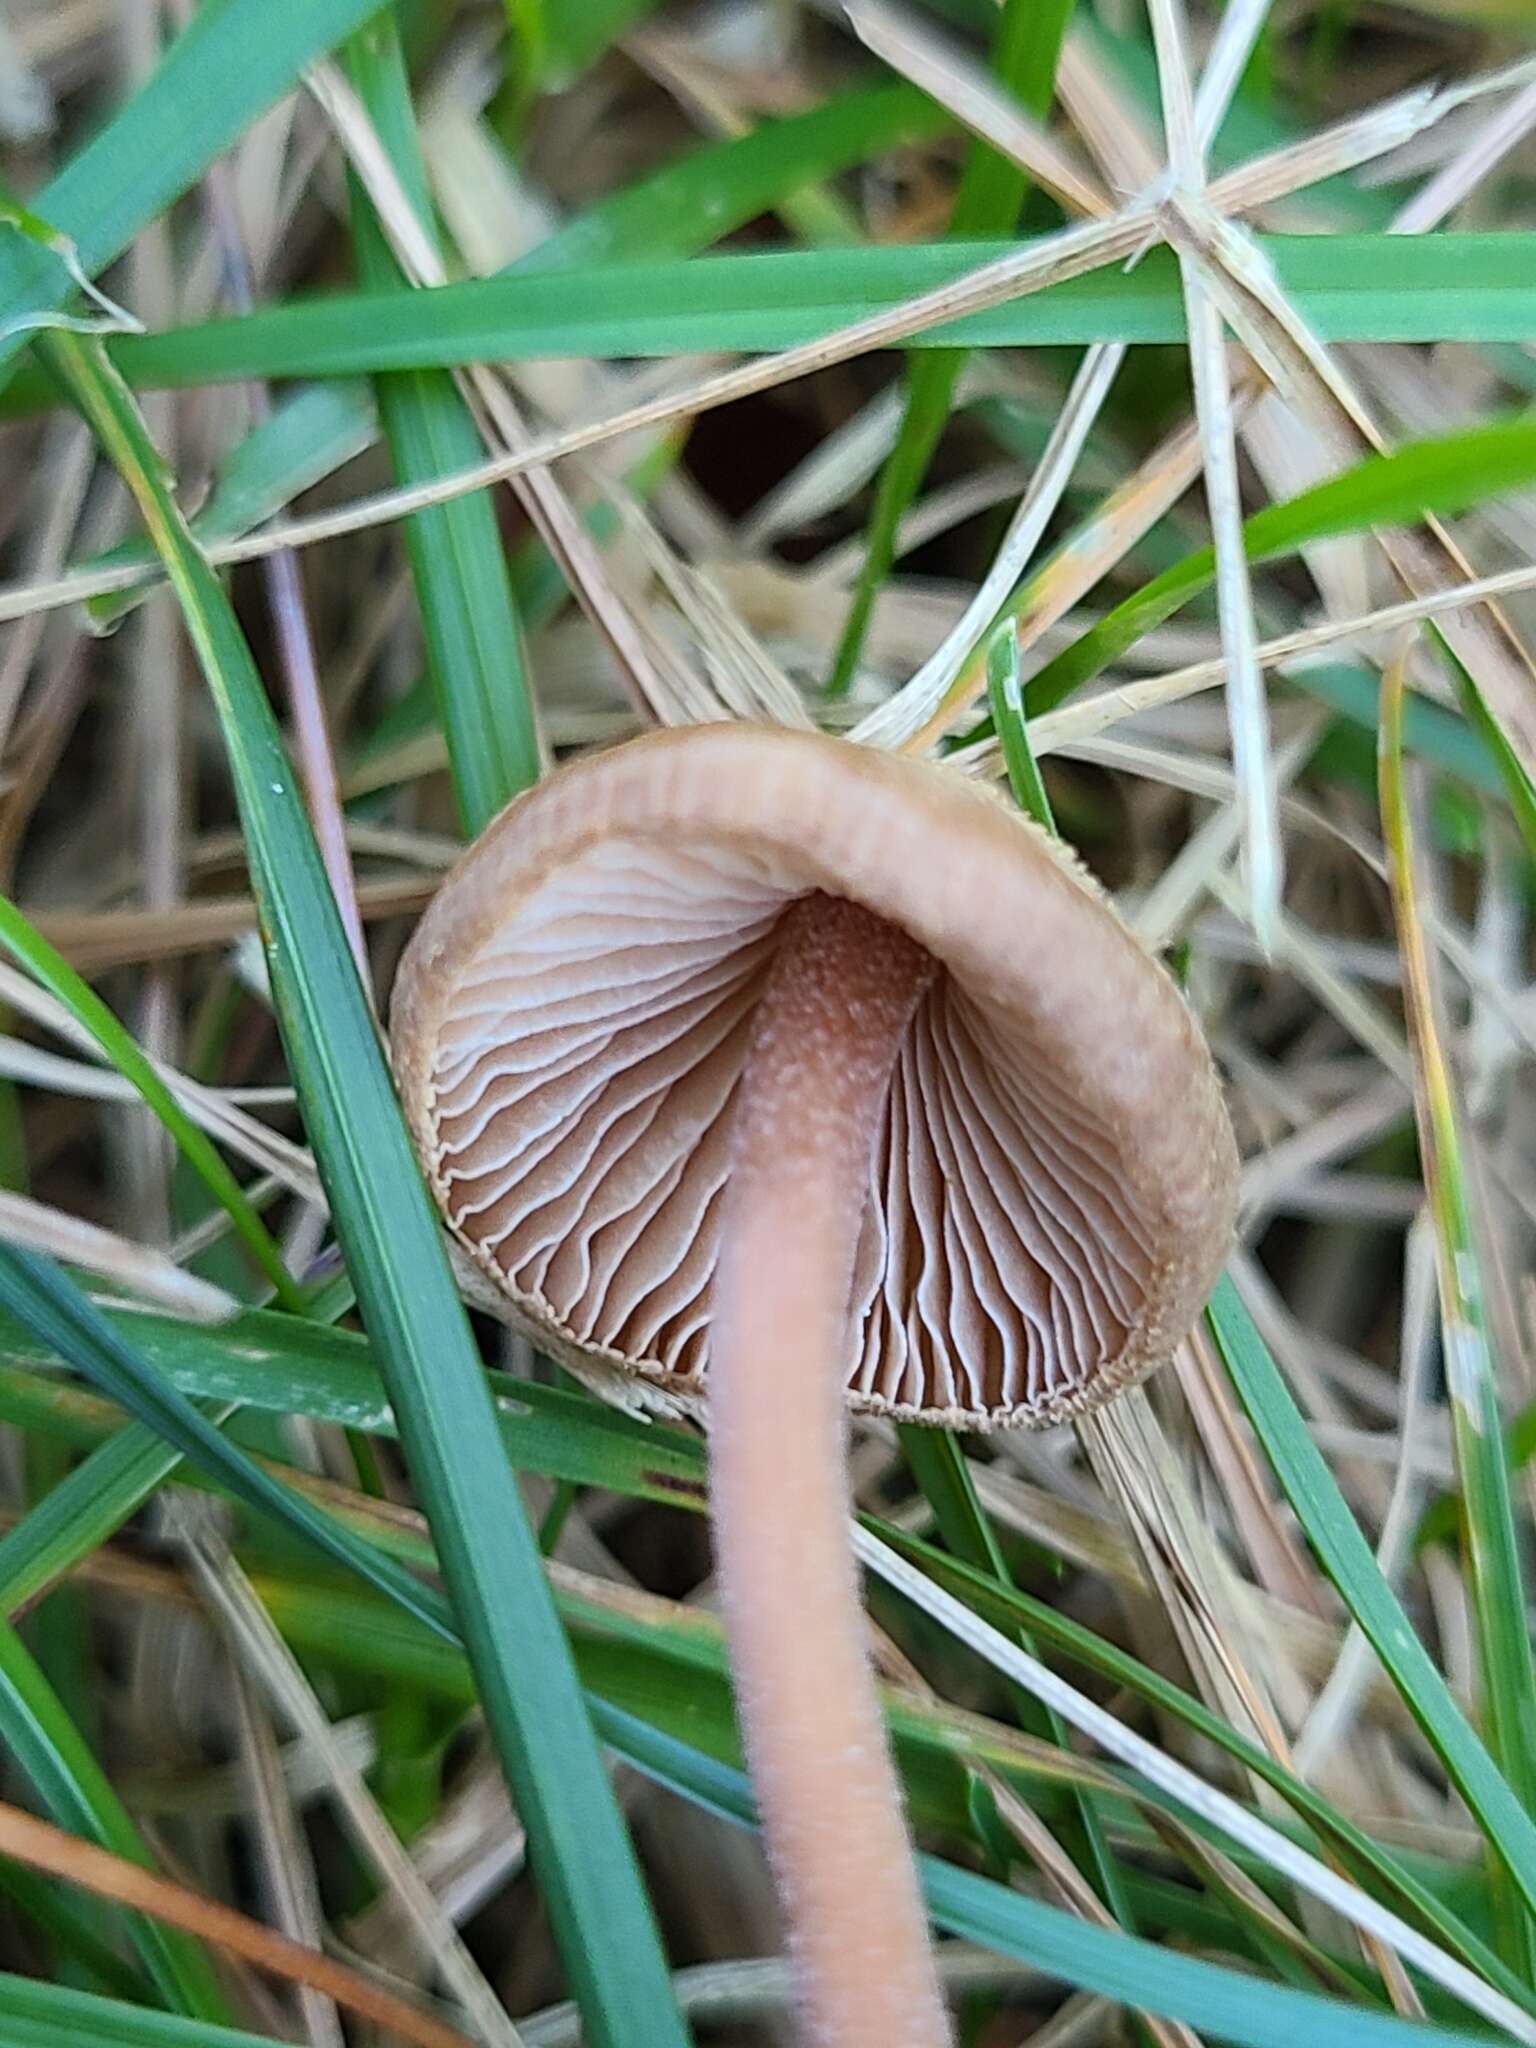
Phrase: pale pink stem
(839,997)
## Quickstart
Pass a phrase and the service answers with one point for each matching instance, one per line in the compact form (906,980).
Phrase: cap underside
(571,1048)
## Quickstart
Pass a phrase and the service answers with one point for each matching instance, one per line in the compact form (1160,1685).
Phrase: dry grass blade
(643,659)
(1073,724)
(946,75)
(1456,179)
(1214,255)
(1030,1831)
(1350,143)
(904,719)
(1247,708)
(94,940)
(1113,123)
(1238,31)
(260,1650)
(66,462)
(1198,1592)
(1068,253)
(1140,1473)
(466,1854)
(739,678)
(287,1867)
(1105,538)
(1196,1589)
(760,1988)
(1310,960)
(20,1061)
(1172,898)
(43,1847)
(1283,344)
(137,1269)
(217,1111)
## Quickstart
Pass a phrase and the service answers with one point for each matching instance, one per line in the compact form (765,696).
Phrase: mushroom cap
(1052,1191)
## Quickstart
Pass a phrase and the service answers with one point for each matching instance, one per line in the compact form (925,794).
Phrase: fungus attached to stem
(757,1065)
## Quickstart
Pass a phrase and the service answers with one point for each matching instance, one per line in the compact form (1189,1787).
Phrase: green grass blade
(306,438)
(474,648)
(935,1456)
(938,1464)
(575,37)
(579,1849)
(49,1751)
(713,191)
(1346,1557)
(1443,475)
(86,1507)
(1445,287)
(605,1625)
(1430,730)
(1005,692)
(673,1678)
(1490,1538)
(36,2015)
(234,59)
(1025,50)
(1226,2004)
(675,1675)
(64,1923)
(1508,766)
(939,1467)
(48,967)
(279,1365)
(48,1301)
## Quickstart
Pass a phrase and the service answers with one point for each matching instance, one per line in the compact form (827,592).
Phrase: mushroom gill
(576,1014)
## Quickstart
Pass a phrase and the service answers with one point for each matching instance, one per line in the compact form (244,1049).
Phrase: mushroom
(755,1061)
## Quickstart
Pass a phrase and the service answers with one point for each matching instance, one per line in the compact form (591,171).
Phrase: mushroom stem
(825,1040)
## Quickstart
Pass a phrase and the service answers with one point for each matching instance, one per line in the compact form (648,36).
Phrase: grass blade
(305,439)
(673,1672)
(1346,1557)
(281,1366)
(1010,1609)
(1447,287)
(1192,1794)
(86,1507)
(474,647)
(1005,693)
(48,1749)
(1510,769)
(1490,1538)
(49,967)
(35,2015)
(713,191)
(235,58)
(992,190)
(68,1321)
(578,1846)
(1443,475)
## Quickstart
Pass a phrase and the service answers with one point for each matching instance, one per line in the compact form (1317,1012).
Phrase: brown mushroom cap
(1053,1189)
